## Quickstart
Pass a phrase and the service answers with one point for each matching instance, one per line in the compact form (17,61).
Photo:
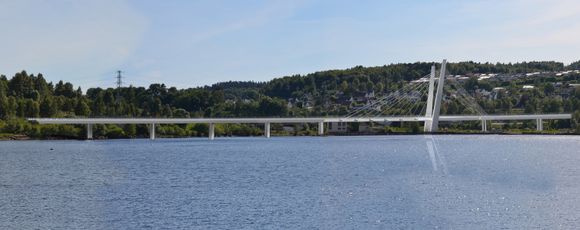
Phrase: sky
(189,43)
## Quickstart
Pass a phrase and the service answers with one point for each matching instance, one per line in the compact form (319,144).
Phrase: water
(386,182)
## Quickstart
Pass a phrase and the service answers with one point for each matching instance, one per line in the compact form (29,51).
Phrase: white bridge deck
(267,121)
(291,120)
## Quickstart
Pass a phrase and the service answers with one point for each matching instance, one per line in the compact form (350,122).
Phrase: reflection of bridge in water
(438,161)
(403,105)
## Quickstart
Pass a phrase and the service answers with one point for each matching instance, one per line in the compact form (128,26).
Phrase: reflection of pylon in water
(119,83)
(438,161)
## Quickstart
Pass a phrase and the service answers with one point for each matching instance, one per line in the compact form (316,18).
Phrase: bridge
(399,106)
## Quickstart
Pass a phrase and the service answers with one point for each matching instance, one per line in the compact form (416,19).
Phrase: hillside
(498,89)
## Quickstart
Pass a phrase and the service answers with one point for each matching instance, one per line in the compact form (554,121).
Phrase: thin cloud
(274,10)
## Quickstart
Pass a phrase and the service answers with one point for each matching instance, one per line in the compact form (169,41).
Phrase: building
(528,87)
(337,127)
(364,127)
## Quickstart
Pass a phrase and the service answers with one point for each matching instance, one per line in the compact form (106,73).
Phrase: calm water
(465,182)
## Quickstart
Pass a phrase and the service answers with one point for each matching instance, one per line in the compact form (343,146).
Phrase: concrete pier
(321,128)
(539,124)
(267,129)
(89,131)
(211,131)
(484,126)
(152,131)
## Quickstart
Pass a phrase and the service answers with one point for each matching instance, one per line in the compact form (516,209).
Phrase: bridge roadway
(267,121)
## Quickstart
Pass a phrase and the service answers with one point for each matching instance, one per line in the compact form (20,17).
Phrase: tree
(272,107)
(552,105)
(356,84)
(180,113)
(21,85)
(42,86)
(3,107)
(131,130)
(379,87)
(21,111)
(344,86)
(98,107)
(32,109)
(47,107)
(576,121)
(3,86)
(82,108)
(471,84)
(64,89)
(549,89)
(12,107)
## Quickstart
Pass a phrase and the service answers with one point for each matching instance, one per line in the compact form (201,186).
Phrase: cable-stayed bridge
(404,105)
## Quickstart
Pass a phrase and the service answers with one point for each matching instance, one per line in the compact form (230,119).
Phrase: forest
(25,95)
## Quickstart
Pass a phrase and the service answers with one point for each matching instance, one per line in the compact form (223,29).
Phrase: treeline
(317,94)
(390,77)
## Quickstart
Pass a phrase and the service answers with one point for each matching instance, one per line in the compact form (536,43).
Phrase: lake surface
(378,182)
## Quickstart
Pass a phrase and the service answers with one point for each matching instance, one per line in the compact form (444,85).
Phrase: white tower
(429,111)
(438,98)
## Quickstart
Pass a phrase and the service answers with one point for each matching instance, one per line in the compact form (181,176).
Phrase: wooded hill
(317,94)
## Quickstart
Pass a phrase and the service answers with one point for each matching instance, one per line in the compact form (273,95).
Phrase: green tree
(21,85)
(42,86)
(552,105)
(64,89)
(82,108)
(3,107)
(576,121)
(549,89)
(47,107)
(344,86)
(32,108)
(180,113)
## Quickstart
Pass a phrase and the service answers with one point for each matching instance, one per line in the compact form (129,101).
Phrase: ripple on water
(385,182)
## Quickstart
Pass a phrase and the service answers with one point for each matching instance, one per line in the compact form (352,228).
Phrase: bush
(114,131)
(576,121)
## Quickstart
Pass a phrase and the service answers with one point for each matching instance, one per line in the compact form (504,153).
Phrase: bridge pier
(484,126)
(89,131)
(321,128)
(267,129)
(211,131)
(152,131)
(539,124)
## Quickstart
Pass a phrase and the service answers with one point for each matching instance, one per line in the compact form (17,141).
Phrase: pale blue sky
(197,42)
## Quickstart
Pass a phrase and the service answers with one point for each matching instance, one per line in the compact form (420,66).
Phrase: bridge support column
(321,128)
(89,131)
(438,98)
(152,131)
(267,129)
(211,131)
(429,110)
(539,124)
(483,126)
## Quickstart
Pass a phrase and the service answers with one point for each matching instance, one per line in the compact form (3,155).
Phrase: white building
(528,87)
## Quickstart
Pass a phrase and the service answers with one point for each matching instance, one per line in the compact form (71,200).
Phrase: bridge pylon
(434,104)
(429,110)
